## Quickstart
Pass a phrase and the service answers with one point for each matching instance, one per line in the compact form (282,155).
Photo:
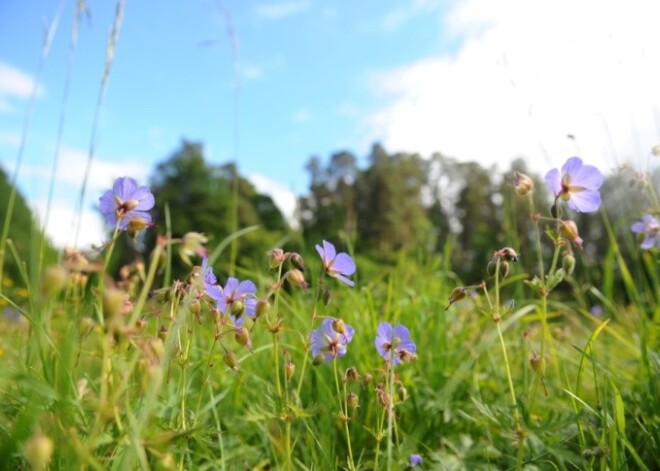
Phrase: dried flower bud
(522,183)
(508,254)
(537,364)
(351,374)
(491,268)
(367,378)
(456,294)
(297,261)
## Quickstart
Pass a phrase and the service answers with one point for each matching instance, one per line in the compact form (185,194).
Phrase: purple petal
(220,301)
(571,167)
(587,176)
(145,198)
(134,214)
(586,201)
(214,291)
(250,306)
(343,279)
(402,333)
(343,263)
(124,187)
(245,287)
(107,203)
(348,333)
(648,242)
(230,286)
(638,227)
(329,251)
(238,322)
(553,179)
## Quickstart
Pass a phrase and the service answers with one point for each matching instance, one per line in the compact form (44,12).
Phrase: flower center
(124,207)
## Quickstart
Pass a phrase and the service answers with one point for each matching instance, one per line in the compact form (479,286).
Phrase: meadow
(327,360)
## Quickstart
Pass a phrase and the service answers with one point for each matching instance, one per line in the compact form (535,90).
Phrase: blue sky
(270,83)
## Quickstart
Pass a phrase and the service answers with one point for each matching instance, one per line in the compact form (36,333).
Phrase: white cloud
(284,198)
(302,116)
(10,139)
(277,10)
(14,84)
(61,229)
(527,74)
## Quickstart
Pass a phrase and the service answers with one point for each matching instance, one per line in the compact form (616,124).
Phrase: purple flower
(336,264)
(211,287)
(330,340)
(394,343)
(649,228)
(415,460)
(577,184)
(125,202)
(237,298)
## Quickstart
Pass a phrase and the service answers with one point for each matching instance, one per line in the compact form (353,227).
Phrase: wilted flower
(522,183)
(648,228)
(327,343)
(394,343)
(237,298)
(336,264)
(577,184)
(415,460)
(125,202)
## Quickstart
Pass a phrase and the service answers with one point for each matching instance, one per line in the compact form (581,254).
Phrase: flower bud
(237,308)
(318,360)
(402,392)
(508,254)
(296,277)
(54,280)
(113,302)
(568,263)
(192,244)
(492,267)
(262,308)
(297,261)
(242,336)
(339,326)
(522,184)
(367,378)
(195,307)
(456,294)
(231,360)
(289,370)
(137,224)
(352,400)
(351,374)
(537,364)
(569,230)
(38,450)
(276,258)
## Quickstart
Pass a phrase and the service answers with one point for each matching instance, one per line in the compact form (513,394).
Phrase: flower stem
(343,416)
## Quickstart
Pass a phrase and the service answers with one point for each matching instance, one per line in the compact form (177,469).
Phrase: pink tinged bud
(508,254)
(296,277)
(276,258)
(522,184)
(569,231)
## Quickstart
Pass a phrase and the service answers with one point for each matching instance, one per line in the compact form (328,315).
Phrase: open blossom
(338,265)
(126,202)
(648,228)
(415,460)
(394,343)
(329,341)
(577,184)
(237,298)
